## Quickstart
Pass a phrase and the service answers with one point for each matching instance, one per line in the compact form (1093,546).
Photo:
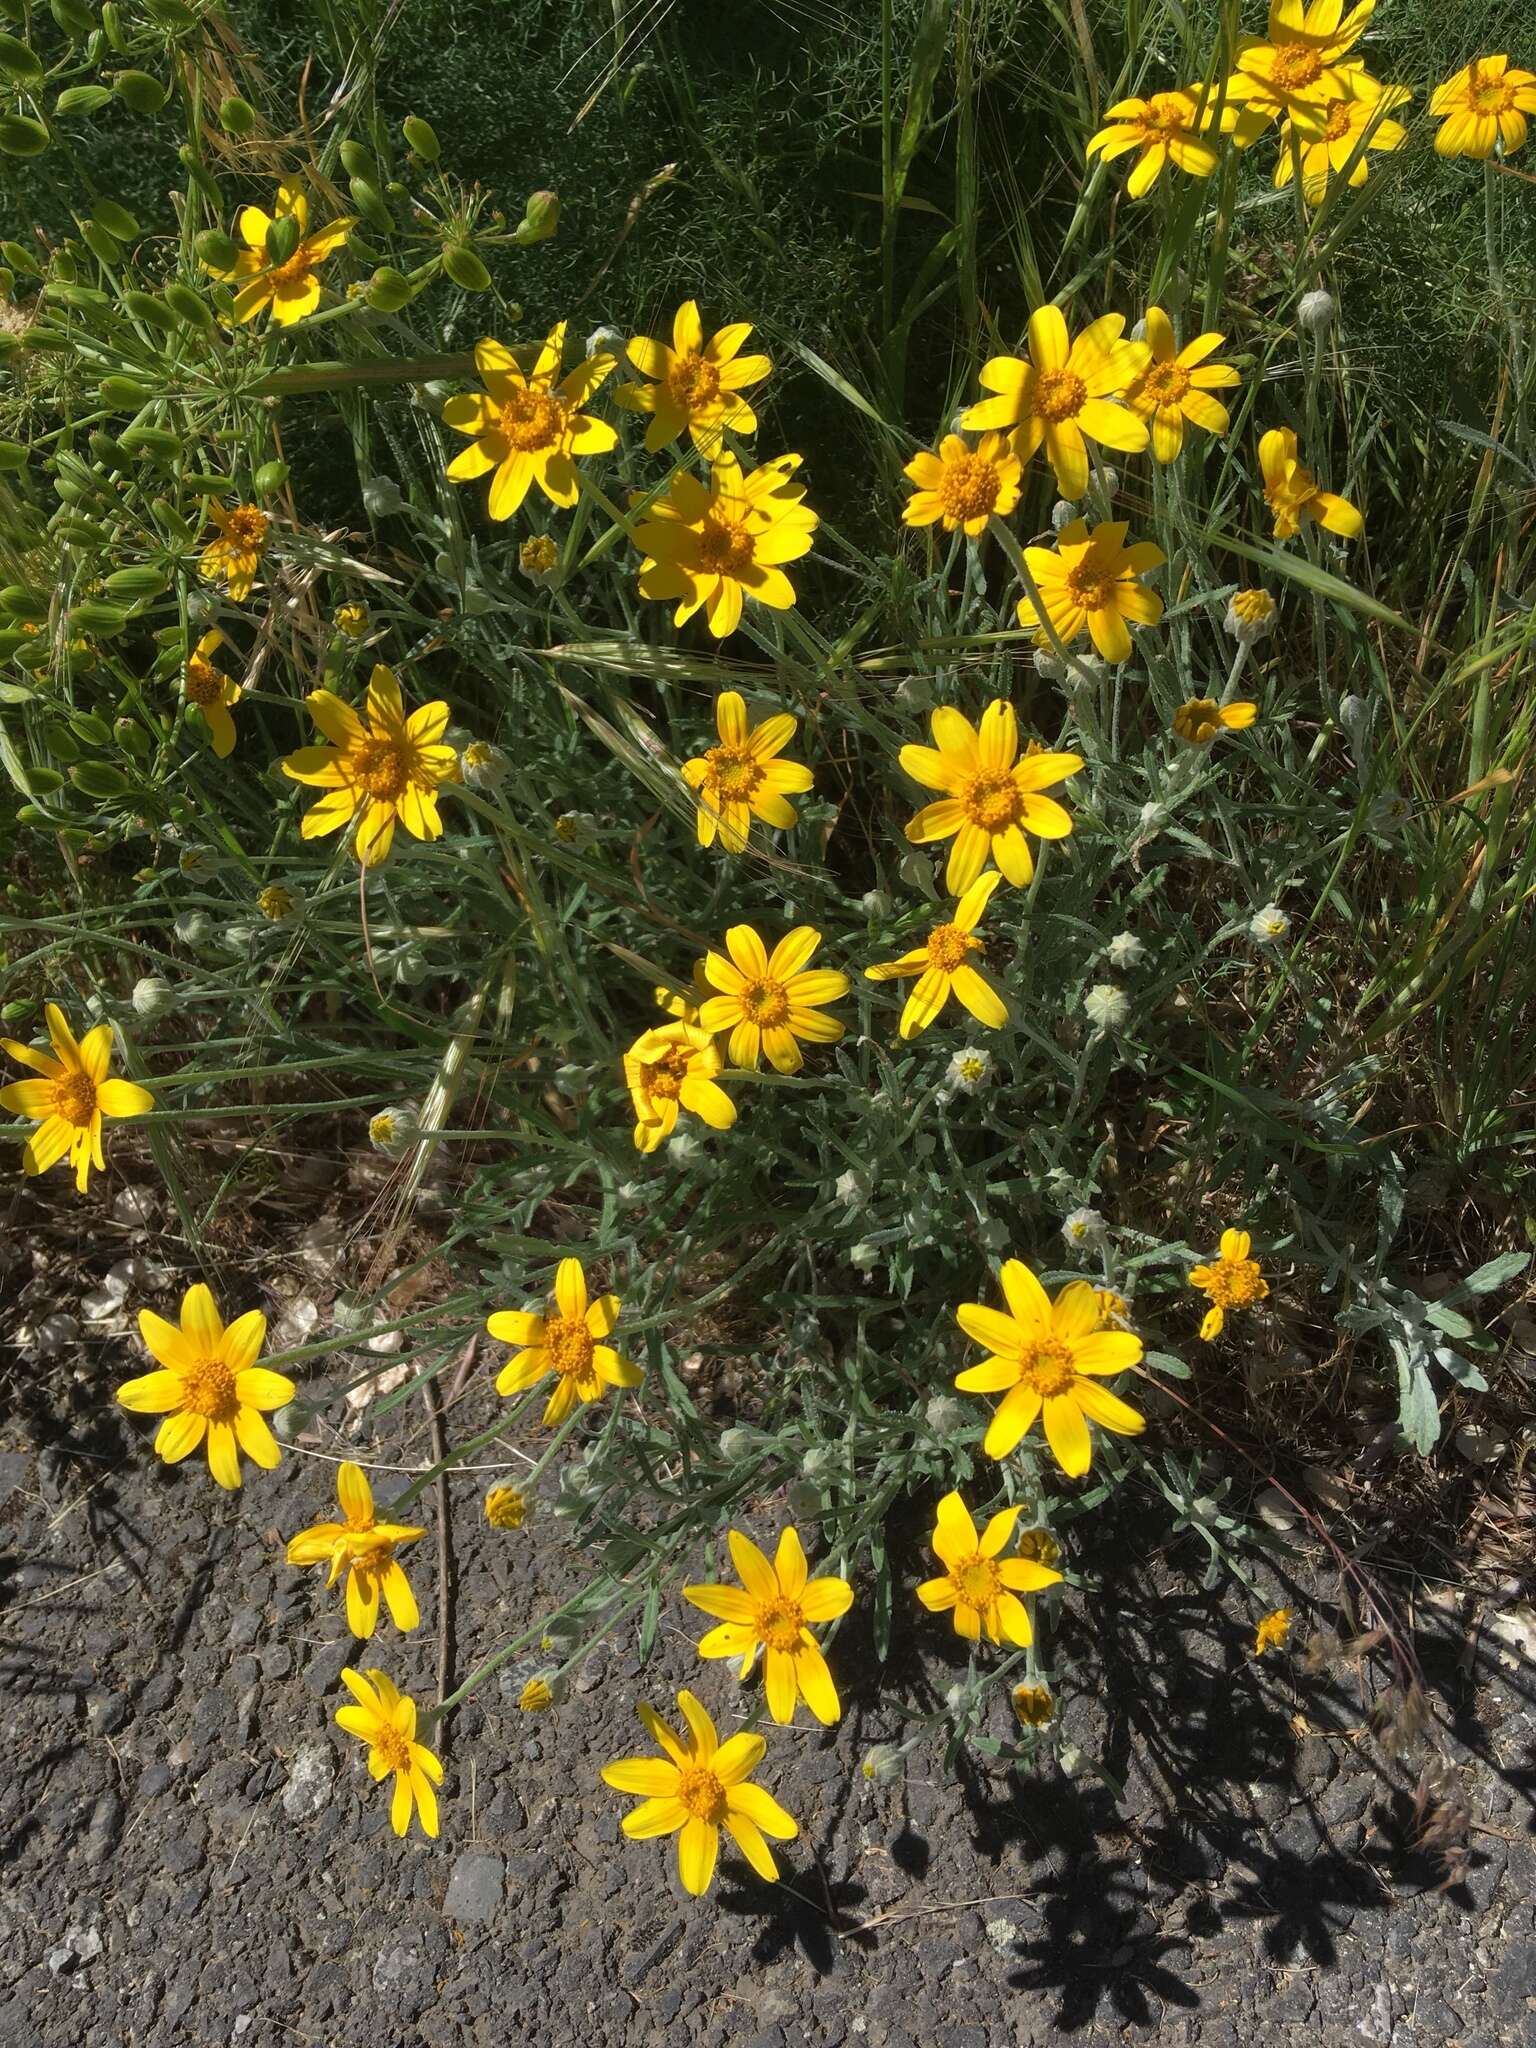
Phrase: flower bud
(381,497)
(505,1508)
(884,1764)
(1125,950)
(394,1131)
(194,928)
(1250,615)
(1062,514)
(1315,312)
(865,1256)
(1108,1008)
(944,1415)
(153,997)
(1267,927)
(541,217)
(421,137)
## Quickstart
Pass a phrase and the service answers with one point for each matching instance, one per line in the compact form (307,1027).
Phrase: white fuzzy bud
(1125,950)
(865,1256)
(1108,1008)
(152,997)
(1316,311)
(875,903)
(1267,927)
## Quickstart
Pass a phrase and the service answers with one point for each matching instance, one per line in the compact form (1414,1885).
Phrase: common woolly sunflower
(527,429)
(74,1092)
(943,967)
(1091,580)
(992,796)
(362,1547)
(210,693)
(742,777)
(1063,396)
(386,1720)
(713,545)
(769,1002)
(671,1068)
(382,768)
(772,1611)
(233,556)
(1294,495)
(1324,137)
(1176,386)
(1164,128)
(566,1342)
(209,1387)
(1297,63)
(1484,108)
(1198,721)
(286,286)
(1231,1280)
(695,383)
(980,1587)
(961,486)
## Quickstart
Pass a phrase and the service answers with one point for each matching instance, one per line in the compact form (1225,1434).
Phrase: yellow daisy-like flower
(386,1720)
(1176,386)
(1165,128)
(536,1697)
(742,778)
(209,1388)
(526,429)
(1274,1630)
(506,1507)
(210,693)
(76,1091)
(1294,494)
(287,288)
(352,620)
(767,1001)
(567,1343)
(1484,108)
(1090,579)
(772,1614)
(1200,719)
(1325,136)
(711,547)
(943,967)
(1231,1280)
(1064,395)
(979,1586)
(694,1789)
(381,769)
(1033,1706)
(963,486)
(991,796)
(234,557)
(1047,1359)
(671,1068)
(695,384)
(364,1548)
(1298,64)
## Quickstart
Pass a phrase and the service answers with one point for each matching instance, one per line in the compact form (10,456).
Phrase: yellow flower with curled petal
(1091,580)
(742,777)
(1200,719)
(1033,1706)
(1274,1630)
(1164,128)
(713,546)
(992,796)
(386,1720)
(567,1342)
(1325,136)
(1176,386)
(210,693)
(979,1586)
(770,1611)
(1294,494)
(76,1091)
(942,965)
(1064,395)
(1483,108)
(670,1068)
(209,1388)
(527,428)
(364,1548)
(382,768)
(695,383)
(234,556)
(769,1002)
(287,287)
(963,486)
(1296,64)
(1231,1280)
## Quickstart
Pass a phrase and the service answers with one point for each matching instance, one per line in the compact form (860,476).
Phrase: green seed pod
(20,135)
(465,268)
(172,14)
(269,478)
(541,217)
(20,257)
(181,531)
(12,455)
(10,345)
(216,250)
(236,116)
(388,290)
(122,393)
(158,314)
(81,296)
(61,744)
(207,483)
(132,737)
(26,607)
(105,248)
(70,491)
(20,61)
(420,137)
(82,99)
(369,201)
(117,220)
(143,438)
(65,268)
(73,17)
(136,89)
(105,450)
(93,730)
(112,25)
(358,162)
(137,584)
(11,640)
(282,238)
(43,781)
(188,308)
(199,175)
(97,616)
(97,780)
(80,531)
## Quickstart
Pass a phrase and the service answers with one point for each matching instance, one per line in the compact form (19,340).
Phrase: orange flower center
(532,419)
(948,946)
(969,487)
(725,546)
(569,1344)
(389,1743)
(664,1078)
(295,271)
(245,528)
(779,1623)
(1047,1367)
(203,680)
(74,1098)
(1488,95)
(993,801)
(975,1582)
(764,1002)
(1164,114)
(371,1553)
(1295,67)
(1235,1283)
(702,1793)
(208,1389)
(733,771)
(693,383)
(1059,394)
(1090,587)
(1164,383)
(383,769)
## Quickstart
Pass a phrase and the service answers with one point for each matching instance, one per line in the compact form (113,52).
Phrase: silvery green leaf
(1497,1272)
(1448,1319)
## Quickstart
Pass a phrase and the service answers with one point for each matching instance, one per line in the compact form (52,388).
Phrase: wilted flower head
(1083,1227)
(506,1507)
(1389,813)
(1273,1631)
(1250,615)
(482,765)
(279,905)
(970,1068)
(1125,950)
(1269,926)
(352,619)
(1033,1705)
(1108,1008)
(884,1764)
(394,1131)
(536,1697)
(539,558)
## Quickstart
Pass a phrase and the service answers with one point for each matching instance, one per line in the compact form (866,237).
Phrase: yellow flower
(352,619)
(1166,127)
(526,429)
(1176,386)
(711,547)
(381,769)
(697,383)
(699,1786)
(1114,1309)
(670,1068)
(535,1697)
(772,1615)
(769,1002)
(1325,136)
(1231,1280)
(978,1586)
(991,797)
(1090,579)
(277,904)
(210,693)
(288,289)
(1048,1358)
(1294,495)
(386,1721)
(963,486)
(364,1548)
(1273,1631)
(1033,1706)
(506,1508)
(1298,65)
(1250,615)
(686,1006)
(235,556)
(742,778)
(209,1387)
(1198,721)
(943,967)
(566,1343)
(1064,395)
(1042,1546)
(538,556)
(1484,107)
(76,1091)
